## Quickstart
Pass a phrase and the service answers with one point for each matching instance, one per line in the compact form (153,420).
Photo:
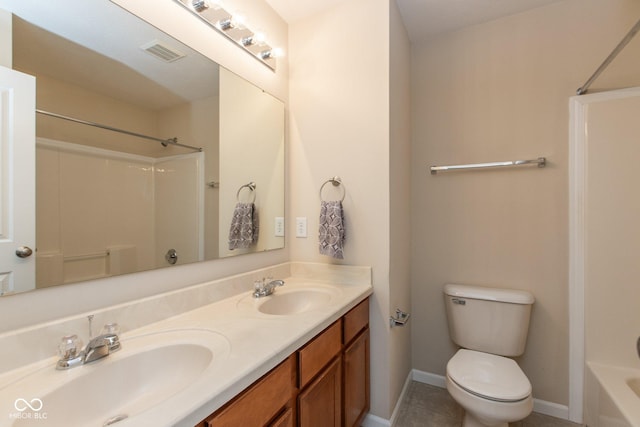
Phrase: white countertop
(252,344)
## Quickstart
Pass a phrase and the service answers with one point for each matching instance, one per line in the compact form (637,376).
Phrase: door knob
(24,252)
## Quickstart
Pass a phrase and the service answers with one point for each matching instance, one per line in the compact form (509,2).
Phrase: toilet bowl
(491,389)
(490,325)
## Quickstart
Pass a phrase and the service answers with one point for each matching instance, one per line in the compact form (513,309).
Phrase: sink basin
(148,371)
(294,302)
(290,301)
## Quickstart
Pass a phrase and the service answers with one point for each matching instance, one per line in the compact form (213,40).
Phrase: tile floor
(428,406)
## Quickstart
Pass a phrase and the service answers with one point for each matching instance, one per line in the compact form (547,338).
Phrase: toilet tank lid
(490,294)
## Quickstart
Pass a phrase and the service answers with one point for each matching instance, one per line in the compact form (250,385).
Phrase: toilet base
(480,412)
(470,421)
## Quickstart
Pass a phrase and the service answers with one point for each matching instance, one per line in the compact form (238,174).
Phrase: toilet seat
(488,376)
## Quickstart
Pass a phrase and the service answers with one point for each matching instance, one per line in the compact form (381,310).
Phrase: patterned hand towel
(331,236)
(244,226)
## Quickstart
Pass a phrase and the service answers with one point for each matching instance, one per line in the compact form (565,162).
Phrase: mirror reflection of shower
(110,202)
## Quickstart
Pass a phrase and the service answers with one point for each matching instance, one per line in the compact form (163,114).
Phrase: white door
(17,181)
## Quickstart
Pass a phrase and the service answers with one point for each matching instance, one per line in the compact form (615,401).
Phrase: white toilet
(489,324)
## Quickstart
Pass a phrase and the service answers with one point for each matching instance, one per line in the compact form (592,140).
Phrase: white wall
(499,91)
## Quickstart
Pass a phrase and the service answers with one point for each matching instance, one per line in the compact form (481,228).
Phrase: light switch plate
(279,228)
(301,226)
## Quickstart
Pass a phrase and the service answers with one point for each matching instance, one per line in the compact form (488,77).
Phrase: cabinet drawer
(315,355)
(356,320)
(261,401)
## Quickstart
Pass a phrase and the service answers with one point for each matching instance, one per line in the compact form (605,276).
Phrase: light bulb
(200,5)
(238,21)
(259,38)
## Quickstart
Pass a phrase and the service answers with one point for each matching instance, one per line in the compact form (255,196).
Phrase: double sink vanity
(209,355)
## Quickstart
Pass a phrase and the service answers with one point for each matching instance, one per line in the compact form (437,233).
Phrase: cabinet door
(284,420)
(320,404)
(356,380)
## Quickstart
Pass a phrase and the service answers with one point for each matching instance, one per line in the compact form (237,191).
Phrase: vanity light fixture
(234,28)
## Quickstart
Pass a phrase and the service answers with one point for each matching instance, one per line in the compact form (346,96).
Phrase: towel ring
(335,181)
(252,187)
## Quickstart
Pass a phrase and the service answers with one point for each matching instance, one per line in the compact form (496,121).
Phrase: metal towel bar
(540,161)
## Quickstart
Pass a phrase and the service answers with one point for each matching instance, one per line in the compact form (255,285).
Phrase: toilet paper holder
(400,319)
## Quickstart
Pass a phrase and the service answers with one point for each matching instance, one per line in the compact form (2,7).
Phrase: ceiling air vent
(162,52)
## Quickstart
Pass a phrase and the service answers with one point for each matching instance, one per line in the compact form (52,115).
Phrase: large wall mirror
(115,194)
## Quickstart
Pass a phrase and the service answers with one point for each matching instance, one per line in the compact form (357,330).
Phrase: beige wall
(340,124)
(76,101)
(6,47)
(197,124)
(400,198)
(332,76)
(251,150)
(499,91)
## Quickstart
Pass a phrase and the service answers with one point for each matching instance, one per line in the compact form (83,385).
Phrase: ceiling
(422,18)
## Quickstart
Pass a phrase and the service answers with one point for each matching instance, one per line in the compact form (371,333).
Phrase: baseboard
(540,406)
(551,409)
(429,378)
(371,420)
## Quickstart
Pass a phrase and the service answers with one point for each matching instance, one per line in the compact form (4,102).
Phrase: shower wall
(96,211)
(612,235)
(91,201)
(178,218)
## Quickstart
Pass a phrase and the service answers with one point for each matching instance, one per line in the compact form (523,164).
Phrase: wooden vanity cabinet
(284,420)
(355,359)
(320,379)
(320,404)
(264,401)
(325,383)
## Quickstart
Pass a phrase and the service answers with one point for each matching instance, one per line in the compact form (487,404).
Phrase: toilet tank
(490,320)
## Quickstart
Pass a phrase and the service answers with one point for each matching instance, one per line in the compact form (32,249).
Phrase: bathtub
(612,396)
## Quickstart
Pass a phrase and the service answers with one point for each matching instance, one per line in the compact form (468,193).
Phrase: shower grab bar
(164,142)
(632,32)
(86,256)
(540,161)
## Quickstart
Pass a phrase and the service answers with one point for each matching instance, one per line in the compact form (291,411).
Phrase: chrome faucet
(97,348)
(265,287)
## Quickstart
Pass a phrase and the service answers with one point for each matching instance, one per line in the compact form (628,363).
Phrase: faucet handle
(110,329)
(69,347)
(110,333)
